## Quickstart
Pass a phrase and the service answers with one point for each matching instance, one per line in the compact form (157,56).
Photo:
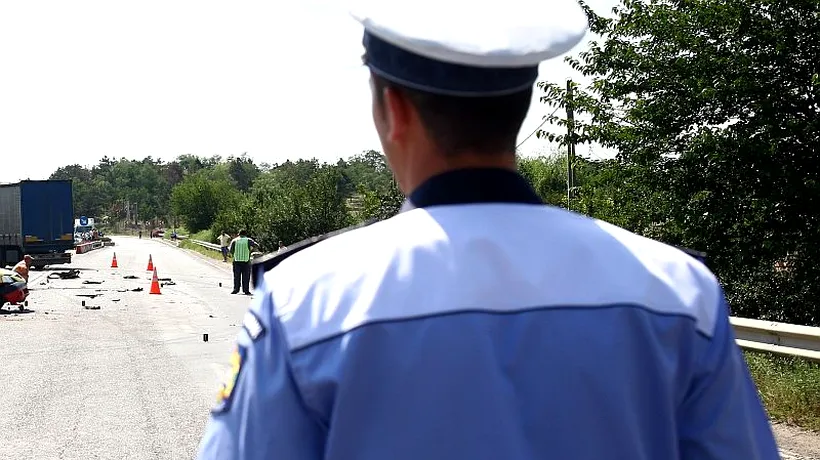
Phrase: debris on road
(92,282)
(55,409)
(20,308)
(90,296)
(67,275)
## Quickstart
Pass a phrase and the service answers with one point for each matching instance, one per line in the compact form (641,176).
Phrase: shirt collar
(468,186)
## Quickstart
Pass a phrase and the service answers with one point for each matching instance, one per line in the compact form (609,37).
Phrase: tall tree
(243,172)
(714,104)
(197,200)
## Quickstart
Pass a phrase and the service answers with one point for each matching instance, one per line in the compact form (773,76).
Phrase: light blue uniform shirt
(489,330)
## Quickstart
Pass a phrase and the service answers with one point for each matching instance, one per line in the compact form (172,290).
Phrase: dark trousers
(242,270)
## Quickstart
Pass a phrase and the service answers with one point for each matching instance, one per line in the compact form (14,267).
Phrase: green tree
(197,200)
(548,176)
(369,170)
(243,172)
(380,205)
(712,106)
(295,202)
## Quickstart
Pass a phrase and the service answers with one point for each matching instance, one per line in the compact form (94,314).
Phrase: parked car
(13,288)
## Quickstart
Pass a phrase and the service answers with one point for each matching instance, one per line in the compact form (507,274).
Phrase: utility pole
(570,142)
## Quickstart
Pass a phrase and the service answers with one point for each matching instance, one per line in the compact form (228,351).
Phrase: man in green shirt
(240,247)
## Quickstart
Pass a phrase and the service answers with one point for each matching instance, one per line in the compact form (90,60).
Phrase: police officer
(479,323)
(240,247)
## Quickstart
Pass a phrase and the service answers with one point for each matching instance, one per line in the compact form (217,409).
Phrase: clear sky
(82,79)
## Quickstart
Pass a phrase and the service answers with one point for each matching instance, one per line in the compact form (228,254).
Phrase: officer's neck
(426,166)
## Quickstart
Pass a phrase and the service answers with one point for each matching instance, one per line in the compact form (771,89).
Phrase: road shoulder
(796,443)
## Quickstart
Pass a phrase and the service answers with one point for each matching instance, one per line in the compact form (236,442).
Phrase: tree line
(712,107)
(282,202)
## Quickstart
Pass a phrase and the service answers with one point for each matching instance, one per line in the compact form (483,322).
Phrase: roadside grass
(789,388)
(204,235)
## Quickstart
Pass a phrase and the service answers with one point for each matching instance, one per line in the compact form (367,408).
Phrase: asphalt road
(134,379)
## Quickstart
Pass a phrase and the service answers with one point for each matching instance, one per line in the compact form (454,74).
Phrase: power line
(536,129)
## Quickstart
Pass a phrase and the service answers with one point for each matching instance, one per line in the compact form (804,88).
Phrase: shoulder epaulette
(701,256)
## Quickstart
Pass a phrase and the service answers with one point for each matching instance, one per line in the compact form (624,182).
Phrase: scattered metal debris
(67,275)
(168,283)
(139,289)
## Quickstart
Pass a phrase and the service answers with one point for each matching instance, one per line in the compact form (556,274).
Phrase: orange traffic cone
(114,261)
(150,264)
(155,284)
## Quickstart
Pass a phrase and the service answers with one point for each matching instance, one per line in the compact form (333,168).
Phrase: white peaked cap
(480,33)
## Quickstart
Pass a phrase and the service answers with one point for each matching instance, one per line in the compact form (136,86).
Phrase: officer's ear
(398,112)
(392,111)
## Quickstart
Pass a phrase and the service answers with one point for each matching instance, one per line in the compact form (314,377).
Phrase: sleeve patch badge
(252,325)
(225,394)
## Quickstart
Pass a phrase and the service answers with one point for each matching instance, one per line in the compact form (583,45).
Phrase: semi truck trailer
(36,218)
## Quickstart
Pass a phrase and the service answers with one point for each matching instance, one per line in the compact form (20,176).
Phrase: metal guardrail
(781,338)
(751,334)
(206,244)
(90,246)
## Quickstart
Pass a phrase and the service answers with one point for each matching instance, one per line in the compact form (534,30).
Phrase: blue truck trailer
(36,218)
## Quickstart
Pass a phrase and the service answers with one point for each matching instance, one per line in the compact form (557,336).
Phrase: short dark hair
(482,125)
(242,232)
